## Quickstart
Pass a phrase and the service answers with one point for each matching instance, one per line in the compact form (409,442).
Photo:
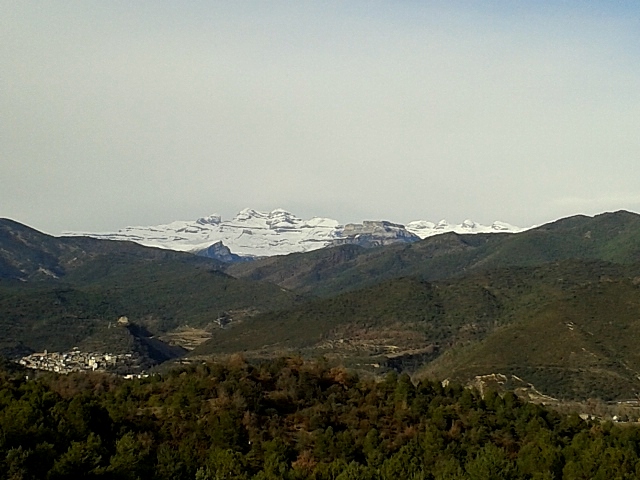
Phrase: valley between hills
(557,306)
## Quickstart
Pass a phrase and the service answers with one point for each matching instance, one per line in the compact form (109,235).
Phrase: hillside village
(79,361)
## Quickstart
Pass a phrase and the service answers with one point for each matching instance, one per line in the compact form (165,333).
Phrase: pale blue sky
(120,113)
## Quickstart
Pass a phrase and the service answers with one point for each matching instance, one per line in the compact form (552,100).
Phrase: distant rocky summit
(221,252)
(263,234)
(374,234)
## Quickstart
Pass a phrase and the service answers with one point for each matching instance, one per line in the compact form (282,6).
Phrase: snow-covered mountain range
(258,234)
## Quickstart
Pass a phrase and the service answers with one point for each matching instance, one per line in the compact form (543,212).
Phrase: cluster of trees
(287,419)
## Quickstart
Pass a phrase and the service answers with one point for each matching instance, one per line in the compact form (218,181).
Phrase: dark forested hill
(568,327)
(56,293)
(289,420)
(27,254)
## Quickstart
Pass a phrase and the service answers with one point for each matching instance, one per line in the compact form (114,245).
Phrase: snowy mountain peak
(469,224)
(247,214)
(503,227)
(279,212)
(279,232)
(425,229)
(214,219)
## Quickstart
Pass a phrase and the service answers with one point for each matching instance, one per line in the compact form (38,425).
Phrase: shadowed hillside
(579,343)
(27,254)
(568,327)
(57,292)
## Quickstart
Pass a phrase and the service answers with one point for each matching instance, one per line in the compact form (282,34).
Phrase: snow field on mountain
(254,233)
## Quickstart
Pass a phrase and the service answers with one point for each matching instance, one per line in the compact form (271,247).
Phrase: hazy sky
(116,113)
